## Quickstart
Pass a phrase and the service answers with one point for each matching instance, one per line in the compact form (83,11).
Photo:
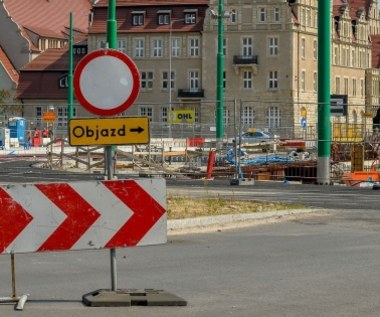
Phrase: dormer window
(138,18)
(163,17)
(190,16)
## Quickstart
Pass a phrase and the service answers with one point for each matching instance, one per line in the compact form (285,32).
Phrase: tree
(8,107)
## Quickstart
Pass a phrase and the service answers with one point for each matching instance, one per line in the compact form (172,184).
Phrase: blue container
(17,127)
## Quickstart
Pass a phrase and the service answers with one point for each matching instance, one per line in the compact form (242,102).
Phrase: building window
(138,19)
(157,48)
(164,114)
(315,81)
(315,50)
(337,85)
(273,117)
(194,80)
(273,46)
(362,87)
(224,80)
(64,81)
(190,17)
(38,115)
(226,116)
(146,80)
(194,47)
(303,81)
(303,48)
(247,46)
(354,87)
(248,116)
(336,55)
(233,16)
(273,80)
(139,47)
(276,13)
(165,80)
(62,115)
(163,18)
(146,112)
(122,46)
(101,43)
(247,79)
(346,86)
(262,15)
(176,47)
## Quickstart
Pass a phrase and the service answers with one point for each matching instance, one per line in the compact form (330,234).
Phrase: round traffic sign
(106,82)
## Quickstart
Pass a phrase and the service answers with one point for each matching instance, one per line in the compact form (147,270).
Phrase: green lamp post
(219,74)
(324,75)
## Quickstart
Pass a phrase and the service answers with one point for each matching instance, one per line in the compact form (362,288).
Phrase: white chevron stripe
(156,188)
(114,214)
(47,217)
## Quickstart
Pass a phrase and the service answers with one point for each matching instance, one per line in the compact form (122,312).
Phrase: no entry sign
(106,82)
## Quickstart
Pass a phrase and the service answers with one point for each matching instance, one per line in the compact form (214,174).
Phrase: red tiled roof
(104,3)
(375,39)
(48,17)
(39,79)
(354,6)
(125,9)
(8,66)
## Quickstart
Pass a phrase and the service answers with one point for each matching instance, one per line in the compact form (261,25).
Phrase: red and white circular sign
(106,82)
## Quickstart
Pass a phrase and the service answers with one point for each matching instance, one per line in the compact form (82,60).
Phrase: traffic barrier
(45,217)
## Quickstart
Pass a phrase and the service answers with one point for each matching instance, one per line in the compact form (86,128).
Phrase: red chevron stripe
(76,223)
(147,211)
(13,220)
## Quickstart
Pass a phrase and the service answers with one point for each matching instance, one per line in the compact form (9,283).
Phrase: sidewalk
(234,220)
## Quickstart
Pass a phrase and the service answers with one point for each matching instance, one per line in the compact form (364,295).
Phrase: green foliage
(7,104)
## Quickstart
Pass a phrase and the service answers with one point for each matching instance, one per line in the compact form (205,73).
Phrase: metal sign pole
(109,168)
(112,43)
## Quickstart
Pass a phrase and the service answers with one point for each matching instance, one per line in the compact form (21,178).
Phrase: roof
(39,79)
(8,66)
(355,6)
(104,3)
(125,9)
(48,18)
(375,39)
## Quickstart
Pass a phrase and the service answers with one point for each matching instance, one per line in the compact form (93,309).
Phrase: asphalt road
(320,264)
(309,195)
(323,265)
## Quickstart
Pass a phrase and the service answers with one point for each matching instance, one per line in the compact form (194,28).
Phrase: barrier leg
(14,298)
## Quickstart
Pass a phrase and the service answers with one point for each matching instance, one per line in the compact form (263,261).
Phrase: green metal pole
(112,25)
(112,43)
(70,76)
(219,75)
(324,99)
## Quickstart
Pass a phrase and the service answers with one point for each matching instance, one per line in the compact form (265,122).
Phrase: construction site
(354,159)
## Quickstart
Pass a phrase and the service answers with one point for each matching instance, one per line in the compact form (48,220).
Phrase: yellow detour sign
(109,131)
(181,116)
(49,116)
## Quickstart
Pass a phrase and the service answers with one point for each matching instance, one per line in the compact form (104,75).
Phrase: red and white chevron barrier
(82,215)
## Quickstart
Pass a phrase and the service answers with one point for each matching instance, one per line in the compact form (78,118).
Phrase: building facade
(270,50)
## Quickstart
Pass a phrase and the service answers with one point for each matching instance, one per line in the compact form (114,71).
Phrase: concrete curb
(200,222)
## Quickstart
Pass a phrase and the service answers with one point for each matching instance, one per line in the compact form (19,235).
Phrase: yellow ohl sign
(182,116)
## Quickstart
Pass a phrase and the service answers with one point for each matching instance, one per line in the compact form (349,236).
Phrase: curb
(206,221)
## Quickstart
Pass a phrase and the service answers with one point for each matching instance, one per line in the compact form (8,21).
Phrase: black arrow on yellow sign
(138,130)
